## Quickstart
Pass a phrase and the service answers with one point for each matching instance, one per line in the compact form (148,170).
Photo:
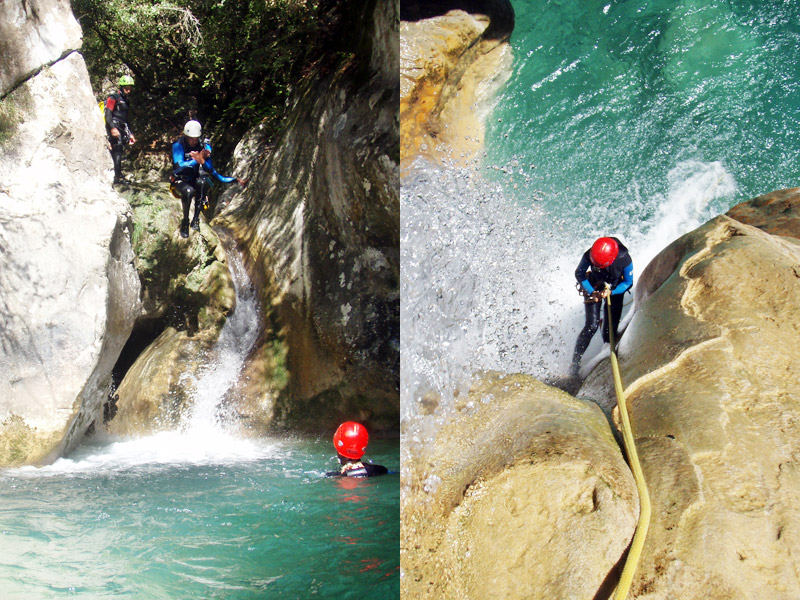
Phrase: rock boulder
(710,366)
(453,58)
(525,494)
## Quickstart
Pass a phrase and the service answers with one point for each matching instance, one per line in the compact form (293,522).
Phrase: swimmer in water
(350,441)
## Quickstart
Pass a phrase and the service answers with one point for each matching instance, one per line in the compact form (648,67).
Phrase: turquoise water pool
(170,517)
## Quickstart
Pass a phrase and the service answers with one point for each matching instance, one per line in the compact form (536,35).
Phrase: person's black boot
(185,227)
(196,223)
(575,369)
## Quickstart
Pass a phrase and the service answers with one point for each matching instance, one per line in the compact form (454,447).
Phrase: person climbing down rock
(350,441)
(191,175)
(605,271)
(117,129)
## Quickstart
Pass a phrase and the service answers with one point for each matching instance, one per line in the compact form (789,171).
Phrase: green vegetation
(9,119)
(275,356)
(229,63)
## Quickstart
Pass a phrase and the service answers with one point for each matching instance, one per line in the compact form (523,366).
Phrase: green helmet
(125,80)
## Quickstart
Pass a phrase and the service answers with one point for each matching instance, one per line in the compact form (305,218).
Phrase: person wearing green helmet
(117,129)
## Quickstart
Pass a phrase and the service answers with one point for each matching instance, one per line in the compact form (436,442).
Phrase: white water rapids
(488,284)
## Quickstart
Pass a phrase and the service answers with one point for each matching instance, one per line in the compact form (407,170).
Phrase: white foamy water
(487,284)
(164,449)
(204,436)
(222,372)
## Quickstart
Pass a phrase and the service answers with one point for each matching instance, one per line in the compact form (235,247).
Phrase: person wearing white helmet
(192,172)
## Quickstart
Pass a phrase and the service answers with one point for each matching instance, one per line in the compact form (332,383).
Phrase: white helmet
(193,129)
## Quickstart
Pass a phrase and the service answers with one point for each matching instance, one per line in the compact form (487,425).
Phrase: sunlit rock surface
(524,495)
(453,58)
(710,366)
(33,34)
(69,293)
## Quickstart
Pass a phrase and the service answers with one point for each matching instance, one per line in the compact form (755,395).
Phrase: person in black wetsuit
(192,172)
(605,272)
(117,129)
(350,441)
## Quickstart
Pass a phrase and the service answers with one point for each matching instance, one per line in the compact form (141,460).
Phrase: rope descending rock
(639,536)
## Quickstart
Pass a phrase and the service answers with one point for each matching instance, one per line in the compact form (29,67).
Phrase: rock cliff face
(454,57)
(709,361)
(319,222)
(187,294)
(34,35)
(68,290)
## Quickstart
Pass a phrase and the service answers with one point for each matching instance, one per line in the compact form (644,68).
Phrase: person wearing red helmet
(350,441)
(605,271)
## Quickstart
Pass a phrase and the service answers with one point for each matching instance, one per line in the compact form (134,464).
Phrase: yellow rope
(644,497)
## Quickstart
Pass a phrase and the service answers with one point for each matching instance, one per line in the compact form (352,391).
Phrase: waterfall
(206,435)
(217,378)
(488,283)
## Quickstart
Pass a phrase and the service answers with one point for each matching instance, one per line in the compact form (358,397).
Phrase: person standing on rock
(605,271)
(350,441)
(117,129)
(191,174)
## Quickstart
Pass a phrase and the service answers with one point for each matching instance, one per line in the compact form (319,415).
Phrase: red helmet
(350,440)
(604,252)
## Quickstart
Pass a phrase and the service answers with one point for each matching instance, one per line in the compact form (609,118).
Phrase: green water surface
(272,527)
(608,98)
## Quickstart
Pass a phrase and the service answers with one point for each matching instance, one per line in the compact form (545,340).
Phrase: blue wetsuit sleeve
(177,156)
(580,273)
(627,281)
(208,166)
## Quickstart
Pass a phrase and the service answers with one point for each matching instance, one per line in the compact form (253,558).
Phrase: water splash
(208,415)
(488,284)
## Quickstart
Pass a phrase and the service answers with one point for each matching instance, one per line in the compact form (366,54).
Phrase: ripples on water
(200,512)
(257,521)
(641,121)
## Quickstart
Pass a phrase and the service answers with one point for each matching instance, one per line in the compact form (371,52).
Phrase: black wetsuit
(191,179)
(365,470)
(116,116)
(619,277)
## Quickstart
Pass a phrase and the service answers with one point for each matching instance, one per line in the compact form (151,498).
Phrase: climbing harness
(639,536)
(587,298)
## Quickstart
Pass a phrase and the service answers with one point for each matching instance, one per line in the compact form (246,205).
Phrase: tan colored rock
(710,366)
(524,495)
(155,394)
(450,70)
(776,212)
